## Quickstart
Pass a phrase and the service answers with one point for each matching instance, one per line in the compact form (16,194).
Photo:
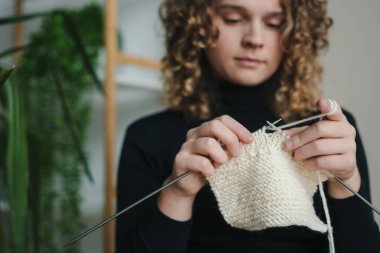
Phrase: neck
(250,105)
(246,95)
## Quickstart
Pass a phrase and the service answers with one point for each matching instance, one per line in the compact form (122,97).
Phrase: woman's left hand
(328,145)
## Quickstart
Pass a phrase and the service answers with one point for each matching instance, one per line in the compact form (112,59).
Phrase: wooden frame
(18,33)
(113,58)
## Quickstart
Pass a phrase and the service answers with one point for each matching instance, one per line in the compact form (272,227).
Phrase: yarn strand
(326,210)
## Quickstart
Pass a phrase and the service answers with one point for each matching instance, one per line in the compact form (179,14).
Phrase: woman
(232,65)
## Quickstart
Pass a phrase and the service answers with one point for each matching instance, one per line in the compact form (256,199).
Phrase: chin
(250,81)
(249,77)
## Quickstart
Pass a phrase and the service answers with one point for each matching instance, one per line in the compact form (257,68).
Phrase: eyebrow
(222,7)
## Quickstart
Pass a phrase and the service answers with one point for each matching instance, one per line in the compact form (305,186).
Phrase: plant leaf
(20,18)
(3,241)
(5,75)
(70,122)
(13,50)
(74,34)
(17,165)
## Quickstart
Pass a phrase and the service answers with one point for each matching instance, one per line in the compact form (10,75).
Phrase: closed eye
(275,22)
(275,26)
(232,20)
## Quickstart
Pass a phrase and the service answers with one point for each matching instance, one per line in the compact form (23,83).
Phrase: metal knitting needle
(131,206)
(334,107)
(273,127)
(173,182)
(297,122)
(126,209)
(358,195)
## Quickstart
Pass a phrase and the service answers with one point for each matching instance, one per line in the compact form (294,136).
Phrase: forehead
(252,6)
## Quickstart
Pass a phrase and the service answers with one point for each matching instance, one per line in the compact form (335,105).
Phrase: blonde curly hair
(189,31)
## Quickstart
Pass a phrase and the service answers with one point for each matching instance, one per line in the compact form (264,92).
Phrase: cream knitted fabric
(264,187)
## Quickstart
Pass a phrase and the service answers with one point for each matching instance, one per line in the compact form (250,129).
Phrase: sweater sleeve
(355,229)
(144,228)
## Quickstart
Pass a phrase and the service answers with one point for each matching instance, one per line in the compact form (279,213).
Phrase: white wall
(352,64)
(352,73)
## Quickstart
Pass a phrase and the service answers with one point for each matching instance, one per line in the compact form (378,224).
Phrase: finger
(185,162)
(221,132)
(327,105)
(295,130)
(226,136)
(208,146)
(207,129)
(339,165)
(199,164)
(326,129)
(241,132)
(324,147)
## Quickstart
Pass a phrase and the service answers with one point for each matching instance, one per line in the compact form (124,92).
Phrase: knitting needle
(334,106)
(358,195)
(132,205)
(126,209)
(167,185)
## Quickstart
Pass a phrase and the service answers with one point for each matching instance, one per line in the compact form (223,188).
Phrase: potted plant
(44,112)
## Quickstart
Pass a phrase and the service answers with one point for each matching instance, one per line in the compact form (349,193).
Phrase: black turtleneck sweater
(146,161)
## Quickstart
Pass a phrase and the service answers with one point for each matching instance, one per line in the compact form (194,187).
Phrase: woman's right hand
(206,148)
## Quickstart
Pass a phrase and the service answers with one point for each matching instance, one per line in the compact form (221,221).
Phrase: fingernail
(249,137)
(236,151)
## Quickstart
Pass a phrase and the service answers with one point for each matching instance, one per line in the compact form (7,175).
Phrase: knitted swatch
(264,187)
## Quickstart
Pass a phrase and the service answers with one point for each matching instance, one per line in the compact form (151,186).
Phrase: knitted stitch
(264,187)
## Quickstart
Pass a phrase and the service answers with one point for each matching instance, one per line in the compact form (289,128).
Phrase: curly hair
(189,31)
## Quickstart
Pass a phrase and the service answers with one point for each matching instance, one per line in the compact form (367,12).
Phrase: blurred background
(351,77)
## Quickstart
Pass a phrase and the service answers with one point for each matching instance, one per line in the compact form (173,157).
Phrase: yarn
(264,187)
(325,208)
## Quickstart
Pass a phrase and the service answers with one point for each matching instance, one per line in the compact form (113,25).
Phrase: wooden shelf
(138,61)
(113,58)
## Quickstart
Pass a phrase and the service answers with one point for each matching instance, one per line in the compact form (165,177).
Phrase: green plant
(49,90)
(13,134)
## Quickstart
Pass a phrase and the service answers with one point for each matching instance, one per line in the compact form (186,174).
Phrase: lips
(249,62)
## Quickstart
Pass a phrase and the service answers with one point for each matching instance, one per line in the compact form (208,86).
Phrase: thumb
(329,105)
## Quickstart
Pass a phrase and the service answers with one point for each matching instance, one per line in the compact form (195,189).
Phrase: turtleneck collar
(249,105)
(252,98)
(237,95)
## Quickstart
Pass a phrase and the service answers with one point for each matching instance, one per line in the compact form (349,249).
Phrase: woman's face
(248,49)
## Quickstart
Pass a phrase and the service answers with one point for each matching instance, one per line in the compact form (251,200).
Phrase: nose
(253,36)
